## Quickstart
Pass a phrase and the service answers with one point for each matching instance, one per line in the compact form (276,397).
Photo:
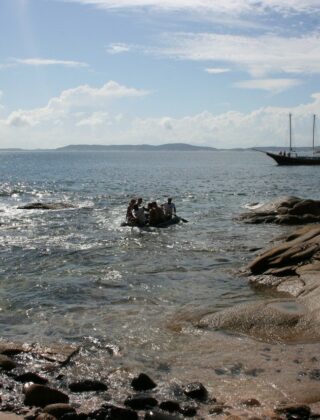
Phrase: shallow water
(77,275)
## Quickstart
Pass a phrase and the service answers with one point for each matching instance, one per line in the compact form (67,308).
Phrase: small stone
(41,395)
(294,411)
(154,415)
(188,409)
(170,406)
(251,402)
(196,391)
(6,363)
(31,377)
(45,416)
(58,410)
(140,402)
(218,409)
(87,385)
(143,382)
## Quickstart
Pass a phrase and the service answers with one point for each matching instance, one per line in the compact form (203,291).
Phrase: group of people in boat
(152,215)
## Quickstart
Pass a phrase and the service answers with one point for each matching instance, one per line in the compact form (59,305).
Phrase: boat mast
(290,148)
(313,131)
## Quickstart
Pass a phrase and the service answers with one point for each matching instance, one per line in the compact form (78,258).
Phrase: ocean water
(76,275)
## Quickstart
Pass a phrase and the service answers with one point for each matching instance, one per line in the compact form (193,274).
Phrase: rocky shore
(45,382)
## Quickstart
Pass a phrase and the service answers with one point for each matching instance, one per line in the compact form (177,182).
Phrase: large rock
(284,210)
(46,206)
(293,270)
(41,396)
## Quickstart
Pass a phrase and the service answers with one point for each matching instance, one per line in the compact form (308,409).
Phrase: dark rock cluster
(49,395)
(284,211)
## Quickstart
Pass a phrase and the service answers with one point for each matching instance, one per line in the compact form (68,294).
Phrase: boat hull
(164,224)
(294,160)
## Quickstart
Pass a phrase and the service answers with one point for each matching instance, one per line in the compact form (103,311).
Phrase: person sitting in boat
(129,216)
(156,214)
(169,209)
(139,217)
(139,202)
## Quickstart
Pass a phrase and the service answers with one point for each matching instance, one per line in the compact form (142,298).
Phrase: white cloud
(54,126)
(48,62)
(95,119)
(271,85)
(226,6)
(118,48)
(259,56)
(64,106)
(216,70)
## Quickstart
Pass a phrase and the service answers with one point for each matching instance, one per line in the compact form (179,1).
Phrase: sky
(219,73)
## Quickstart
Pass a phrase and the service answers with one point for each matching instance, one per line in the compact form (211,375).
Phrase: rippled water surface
(77,275)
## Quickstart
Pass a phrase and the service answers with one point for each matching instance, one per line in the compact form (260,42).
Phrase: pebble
(87,385)
(58,410)
(140,402)
(143,382)
(196,391)
(31,377)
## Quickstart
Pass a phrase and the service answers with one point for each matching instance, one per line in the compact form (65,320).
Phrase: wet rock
(10,348)
(284,210)
(143,382)
(31,377)
(140,402)
(41,395)
(315,375)
(188,409)
(87,385)
(217,409)
(6,363)
(55,352)
(170,406)
(46,206)
(196,391)
(289,253)
(294,411)
(120,413)
(155,415)
(251,402)
(45,416)
(58,410)
(74,416)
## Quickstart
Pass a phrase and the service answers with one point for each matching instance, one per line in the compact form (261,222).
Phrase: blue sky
(218,73)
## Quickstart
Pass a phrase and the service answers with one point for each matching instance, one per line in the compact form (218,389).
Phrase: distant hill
(183,147)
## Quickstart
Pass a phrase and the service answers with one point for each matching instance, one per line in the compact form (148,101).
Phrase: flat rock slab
(46,206)
(54,352)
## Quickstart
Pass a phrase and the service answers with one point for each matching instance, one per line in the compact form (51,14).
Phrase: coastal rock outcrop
(284,211)
(292,269)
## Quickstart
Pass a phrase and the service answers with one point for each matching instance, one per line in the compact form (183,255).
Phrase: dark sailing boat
(291,157)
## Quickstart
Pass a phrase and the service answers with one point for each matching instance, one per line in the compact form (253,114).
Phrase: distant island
(183,147)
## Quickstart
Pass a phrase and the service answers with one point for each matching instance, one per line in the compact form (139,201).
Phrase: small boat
(291,157)
(173,221)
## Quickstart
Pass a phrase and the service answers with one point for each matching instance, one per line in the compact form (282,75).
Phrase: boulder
(284,211)
(41,396)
